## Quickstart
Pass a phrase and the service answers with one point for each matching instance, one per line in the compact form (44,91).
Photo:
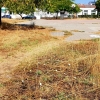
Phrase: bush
(88,16)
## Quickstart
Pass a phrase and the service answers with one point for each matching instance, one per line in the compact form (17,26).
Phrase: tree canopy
(28,6)
(59,5)
(55,5)
(98,5)
(20,6)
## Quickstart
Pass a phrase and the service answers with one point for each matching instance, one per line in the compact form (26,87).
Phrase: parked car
(29,17)
(6,16)
(15,16)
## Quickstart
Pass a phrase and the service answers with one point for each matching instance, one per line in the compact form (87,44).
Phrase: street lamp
(72,6)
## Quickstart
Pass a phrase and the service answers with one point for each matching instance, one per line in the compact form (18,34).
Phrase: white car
(16,16)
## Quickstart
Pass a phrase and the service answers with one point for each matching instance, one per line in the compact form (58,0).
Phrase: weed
(1,85)
(96,39)
(25,42)
(52,29)
(1,95)
(61,96)
(77,31)
(45,78)
(24,97)
(38,72)
(67,33)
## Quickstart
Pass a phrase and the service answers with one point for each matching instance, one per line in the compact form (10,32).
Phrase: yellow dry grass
(34,65)
(98,32)
(12,21)
(19,45)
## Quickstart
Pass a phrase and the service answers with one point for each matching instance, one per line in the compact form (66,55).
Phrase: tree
(74,10)
(0,10)
(0,15)
(38,3)
(56,5)
(77,8)
(20,6)
(59,6)
(97,4)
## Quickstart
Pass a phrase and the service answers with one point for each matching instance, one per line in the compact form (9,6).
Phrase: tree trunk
(57,16)
(0,16)
(20,15)
(98,13)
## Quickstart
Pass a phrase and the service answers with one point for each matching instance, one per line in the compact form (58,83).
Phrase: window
(93,12)
(85,11)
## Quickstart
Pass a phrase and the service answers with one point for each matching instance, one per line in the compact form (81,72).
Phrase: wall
(88,13)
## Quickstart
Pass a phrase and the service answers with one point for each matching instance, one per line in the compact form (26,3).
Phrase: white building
(87,10)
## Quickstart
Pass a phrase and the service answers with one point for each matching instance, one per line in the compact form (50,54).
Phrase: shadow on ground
(9,26)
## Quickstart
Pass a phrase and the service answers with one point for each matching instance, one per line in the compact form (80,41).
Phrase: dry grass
(48,69)
(98,32)
(14,21)
(69,71)
(15,45)
(77,31)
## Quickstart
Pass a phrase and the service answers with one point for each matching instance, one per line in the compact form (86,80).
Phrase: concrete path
(80,28)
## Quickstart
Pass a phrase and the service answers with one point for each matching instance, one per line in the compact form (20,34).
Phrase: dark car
(29,17)
(6,16)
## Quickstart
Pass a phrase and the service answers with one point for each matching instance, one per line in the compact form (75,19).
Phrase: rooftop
(86,6)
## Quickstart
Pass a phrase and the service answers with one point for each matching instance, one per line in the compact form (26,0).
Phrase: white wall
(88,13)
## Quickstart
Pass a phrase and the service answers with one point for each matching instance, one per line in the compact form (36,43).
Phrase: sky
(83,1)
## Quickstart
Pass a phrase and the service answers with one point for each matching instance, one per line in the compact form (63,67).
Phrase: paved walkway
(80,28)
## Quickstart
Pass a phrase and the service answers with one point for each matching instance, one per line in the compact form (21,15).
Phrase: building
(87,9)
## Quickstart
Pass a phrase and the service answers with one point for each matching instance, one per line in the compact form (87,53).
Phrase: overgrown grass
(17,44)
(67,72)
(45,68)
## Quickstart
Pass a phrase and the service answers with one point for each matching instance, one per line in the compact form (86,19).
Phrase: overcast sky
(83,1)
